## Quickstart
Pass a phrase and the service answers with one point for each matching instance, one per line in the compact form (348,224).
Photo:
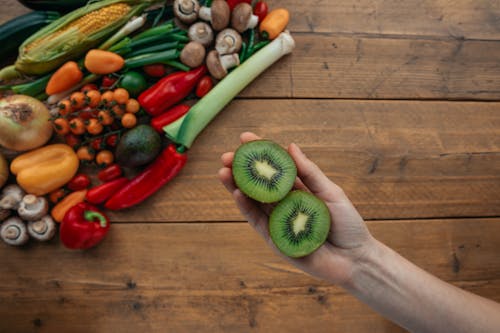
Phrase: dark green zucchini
(15,31)
(62,6)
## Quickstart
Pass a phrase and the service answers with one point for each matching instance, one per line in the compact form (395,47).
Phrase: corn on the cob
(73,34)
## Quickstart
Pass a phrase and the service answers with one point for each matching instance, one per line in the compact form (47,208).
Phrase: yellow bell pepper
(45,169)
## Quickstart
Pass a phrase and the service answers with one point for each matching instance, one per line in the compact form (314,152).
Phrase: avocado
(138,146)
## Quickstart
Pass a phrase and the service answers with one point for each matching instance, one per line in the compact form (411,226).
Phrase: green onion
(151,58)
(158,30)
(154,48)
(177,64)
(185,130)
(131,26)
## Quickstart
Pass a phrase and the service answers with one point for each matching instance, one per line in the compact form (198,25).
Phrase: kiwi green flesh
(299,224)
(263,170)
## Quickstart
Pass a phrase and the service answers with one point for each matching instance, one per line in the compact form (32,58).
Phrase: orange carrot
(65,204)
(274,23)
(103,62)
(67,76)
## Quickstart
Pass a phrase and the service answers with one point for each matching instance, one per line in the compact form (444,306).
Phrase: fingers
(226,178)
(252,213)
(313,178)
(248,136)
(227,159)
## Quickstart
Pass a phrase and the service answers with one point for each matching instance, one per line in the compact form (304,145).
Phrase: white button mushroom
(219,64)
(218,14)
(11,196)
(193,54)
(228,41)
(13,231)
(186,10)
(32,208)
(202,33)
(43,229)
(242,17)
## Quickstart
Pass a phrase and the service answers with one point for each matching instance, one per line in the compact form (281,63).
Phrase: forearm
(416,300)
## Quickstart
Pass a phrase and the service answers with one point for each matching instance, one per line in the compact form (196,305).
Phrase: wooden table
(397,101)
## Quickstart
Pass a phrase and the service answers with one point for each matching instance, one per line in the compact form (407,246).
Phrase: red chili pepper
(170,90)
(100,193)
(204,86)
(165,167)
(79,182)
(83,226)
(110,173)
(233,3)
(260,10)
(168,117)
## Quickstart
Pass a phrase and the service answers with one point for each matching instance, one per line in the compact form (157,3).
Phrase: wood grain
(326,64)
(394,159)
(191,277)
(330,66)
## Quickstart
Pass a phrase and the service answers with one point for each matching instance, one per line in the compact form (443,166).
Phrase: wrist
(365,265)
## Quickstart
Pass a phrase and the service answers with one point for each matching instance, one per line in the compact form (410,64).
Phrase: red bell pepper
(100,193)
(111,172)
(83,226)
(168,117)
(170,90)
(165,167)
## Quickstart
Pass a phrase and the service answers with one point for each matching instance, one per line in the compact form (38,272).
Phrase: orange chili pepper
(274,23)
(103,62)
(67,76)
(65,204)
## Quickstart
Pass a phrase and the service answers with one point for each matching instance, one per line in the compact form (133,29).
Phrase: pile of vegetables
(122,87)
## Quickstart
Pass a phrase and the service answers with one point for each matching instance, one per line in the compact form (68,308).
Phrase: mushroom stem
(229,60)
(13,231)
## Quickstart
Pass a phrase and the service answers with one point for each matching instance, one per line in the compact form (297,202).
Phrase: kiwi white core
(265,169)
(299,224)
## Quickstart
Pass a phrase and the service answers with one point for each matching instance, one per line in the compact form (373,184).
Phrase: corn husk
(72,35)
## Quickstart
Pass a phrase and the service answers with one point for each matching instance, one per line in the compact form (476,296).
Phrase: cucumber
(63,6)
(14,32)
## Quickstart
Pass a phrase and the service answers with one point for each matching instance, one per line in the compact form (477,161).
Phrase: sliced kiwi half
(299,224)
(263,170)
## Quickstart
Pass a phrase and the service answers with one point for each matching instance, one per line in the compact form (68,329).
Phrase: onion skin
(24,123)
(4,170)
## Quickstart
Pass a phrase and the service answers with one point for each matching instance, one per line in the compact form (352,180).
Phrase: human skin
(353,259)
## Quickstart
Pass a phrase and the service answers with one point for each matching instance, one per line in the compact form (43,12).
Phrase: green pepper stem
(90,215)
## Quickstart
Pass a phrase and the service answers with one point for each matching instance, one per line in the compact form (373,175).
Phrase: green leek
(185,130)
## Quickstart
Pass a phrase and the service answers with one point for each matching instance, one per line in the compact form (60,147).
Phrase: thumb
(314,179)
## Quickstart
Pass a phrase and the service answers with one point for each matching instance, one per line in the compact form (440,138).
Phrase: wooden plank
(467,19)
(330,66)
(394,159)
(219,277)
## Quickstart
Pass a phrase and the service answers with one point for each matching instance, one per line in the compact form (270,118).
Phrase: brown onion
(24,123)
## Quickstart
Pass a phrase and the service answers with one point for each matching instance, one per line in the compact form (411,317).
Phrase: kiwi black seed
(263,170)
(299,224)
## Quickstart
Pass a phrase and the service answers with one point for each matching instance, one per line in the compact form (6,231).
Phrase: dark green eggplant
(62,6)
(15,31)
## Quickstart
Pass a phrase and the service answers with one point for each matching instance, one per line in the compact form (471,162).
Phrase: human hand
(349,239)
